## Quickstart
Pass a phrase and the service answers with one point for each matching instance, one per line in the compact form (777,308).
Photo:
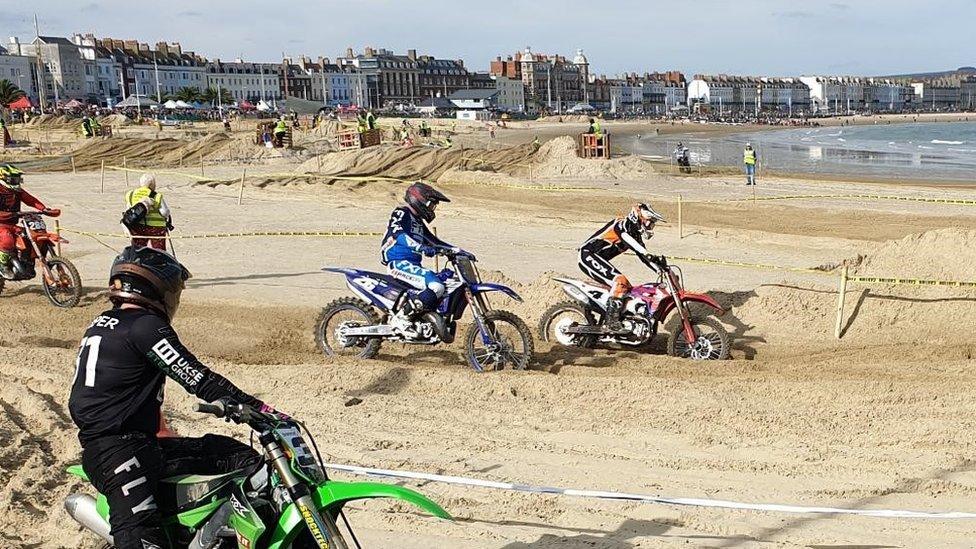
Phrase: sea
(937,151)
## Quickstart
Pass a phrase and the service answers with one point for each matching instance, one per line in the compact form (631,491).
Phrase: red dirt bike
(37,246)
(581,321)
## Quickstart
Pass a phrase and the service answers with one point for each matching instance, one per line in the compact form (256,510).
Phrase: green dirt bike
(285,502)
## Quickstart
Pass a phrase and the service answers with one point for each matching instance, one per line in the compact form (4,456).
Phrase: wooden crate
(370,138)
(591,147)
(347,139)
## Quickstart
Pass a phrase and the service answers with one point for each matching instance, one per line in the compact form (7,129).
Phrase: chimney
(162,48)
(412,55)
(349,53)
(461,62)
(368,51)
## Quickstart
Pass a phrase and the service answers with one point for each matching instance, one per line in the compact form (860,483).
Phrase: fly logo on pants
(149,503)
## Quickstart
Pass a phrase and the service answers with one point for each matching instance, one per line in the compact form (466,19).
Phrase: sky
(748,37)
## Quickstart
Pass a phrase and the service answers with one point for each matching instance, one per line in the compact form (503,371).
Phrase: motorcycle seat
(389,280)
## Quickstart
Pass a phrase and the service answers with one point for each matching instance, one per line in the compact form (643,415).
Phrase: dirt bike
(35,245)
(287,501)
(358,326)
(581,321)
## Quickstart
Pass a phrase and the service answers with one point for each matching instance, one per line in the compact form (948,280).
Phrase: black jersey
(121,368)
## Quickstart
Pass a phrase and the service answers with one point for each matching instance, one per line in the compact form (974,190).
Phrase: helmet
(11,177)
(148,277)
(423,199)
(642,219)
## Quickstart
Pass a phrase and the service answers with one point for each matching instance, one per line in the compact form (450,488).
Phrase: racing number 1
(91,344)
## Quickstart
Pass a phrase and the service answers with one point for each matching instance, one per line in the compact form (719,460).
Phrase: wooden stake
(318,162)
(201,165)
(681,226)
(240,193)
(840,301)
(125,165)
(102,179)
(57,231)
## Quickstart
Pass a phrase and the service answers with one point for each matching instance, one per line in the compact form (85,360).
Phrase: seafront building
(106,70)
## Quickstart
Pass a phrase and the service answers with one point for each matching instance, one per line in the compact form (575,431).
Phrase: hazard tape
(927,200)
(623,496)
(163,172)
(761,266)
(910,281)
(326,234)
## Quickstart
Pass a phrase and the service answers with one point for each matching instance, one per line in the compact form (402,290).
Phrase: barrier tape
(163,172)
(761,266)
(623,496)
(910,281)
(328,234)
(928,200)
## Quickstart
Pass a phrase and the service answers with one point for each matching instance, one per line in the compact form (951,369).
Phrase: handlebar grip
(218,409)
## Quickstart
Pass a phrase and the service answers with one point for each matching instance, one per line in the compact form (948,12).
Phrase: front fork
(689,331)
(48,275)
(323,528)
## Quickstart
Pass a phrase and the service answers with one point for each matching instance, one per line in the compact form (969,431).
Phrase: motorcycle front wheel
(505,341)
(347,312)
(711,340)
(64,288)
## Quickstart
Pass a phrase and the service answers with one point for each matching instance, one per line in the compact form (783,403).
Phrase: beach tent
(134,101)
(263,106)
(74,104)
(180,104)
(20,104)
(199,106)
(246,105)
(170,105)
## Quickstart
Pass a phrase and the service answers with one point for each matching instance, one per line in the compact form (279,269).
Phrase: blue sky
(783,37)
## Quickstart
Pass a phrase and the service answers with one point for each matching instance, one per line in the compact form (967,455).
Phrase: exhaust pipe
(81,507)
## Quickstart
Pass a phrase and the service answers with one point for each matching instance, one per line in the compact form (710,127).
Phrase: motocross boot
(6,269)
(615,309)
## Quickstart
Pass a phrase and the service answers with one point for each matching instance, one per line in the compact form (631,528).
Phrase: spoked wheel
(506,341)
(64,287)
(711,340)
(340,315)
(561,316)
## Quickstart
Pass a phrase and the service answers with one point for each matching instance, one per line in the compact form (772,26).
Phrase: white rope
(623,496)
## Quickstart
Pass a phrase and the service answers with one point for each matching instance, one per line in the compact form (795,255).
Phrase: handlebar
(50,212)
(218,409)
(239,413)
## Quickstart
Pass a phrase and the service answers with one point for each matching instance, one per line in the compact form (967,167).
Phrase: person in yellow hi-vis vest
(147,214)
(749,159)
(280,130)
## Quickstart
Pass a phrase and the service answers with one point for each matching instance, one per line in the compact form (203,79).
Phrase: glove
(51,212)
(267,409)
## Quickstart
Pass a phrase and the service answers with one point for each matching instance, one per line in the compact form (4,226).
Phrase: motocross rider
(122,365)
(613,239)
(406,241)
(11,197)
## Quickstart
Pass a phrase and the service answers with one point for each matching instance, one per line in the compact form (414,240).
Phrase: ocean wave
(941,142)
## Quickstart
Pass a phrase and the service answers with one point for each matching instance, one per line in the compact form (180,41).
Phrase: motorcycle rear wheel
(351,312)
(712,340)
(65,290)
(560,316)
(510,343)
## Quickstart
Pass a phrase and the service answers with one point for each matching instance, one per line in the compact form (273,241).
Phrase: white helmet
(643,218)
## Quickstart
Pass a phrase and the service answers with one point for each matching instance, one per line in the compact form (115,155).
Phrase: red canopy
(20,104)
(246,105)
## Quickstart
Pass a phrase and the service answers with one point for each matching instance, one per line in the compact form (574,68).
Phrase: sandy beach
(880,419)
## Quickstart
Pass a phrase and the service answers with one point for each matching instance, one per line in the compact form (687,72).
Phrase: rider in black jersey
(123,362)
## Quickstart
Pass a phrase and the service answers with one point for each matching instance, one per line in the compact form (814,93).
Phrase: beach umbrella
(20,104)
(73,104)
(134,101)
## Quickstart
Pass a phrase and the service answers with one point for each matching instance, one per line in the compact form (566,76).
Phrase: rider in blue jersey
(406,241)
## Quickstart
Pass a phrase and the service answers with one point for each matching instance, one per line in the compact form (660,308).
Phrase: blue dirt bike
(357,326)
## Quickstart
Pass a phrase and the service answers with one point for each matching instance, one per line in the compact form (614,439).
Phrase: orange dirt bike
(36,246)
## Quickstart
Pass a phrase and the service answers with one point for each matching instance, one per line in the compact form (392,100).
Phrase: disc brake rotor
(341,338)
(560,330)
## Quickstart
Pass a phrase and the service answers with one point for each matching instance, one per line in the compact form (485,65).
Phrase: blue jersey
(407,238)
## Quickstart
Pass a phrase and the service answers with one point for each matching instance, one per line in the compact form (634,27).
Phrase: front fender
(333,495)
(667,305)
(489,287)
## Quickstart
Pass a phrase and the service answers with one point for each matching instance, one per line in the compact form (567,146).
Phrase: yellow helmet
(11,177)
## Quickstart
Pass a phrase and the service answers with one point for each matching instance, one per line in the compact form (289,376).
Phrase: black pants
(127,470)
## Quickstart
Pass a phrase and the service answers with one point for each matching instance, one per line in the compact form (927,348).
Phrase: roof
(3,50)
(476,95)
(438,103)
(56,40)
